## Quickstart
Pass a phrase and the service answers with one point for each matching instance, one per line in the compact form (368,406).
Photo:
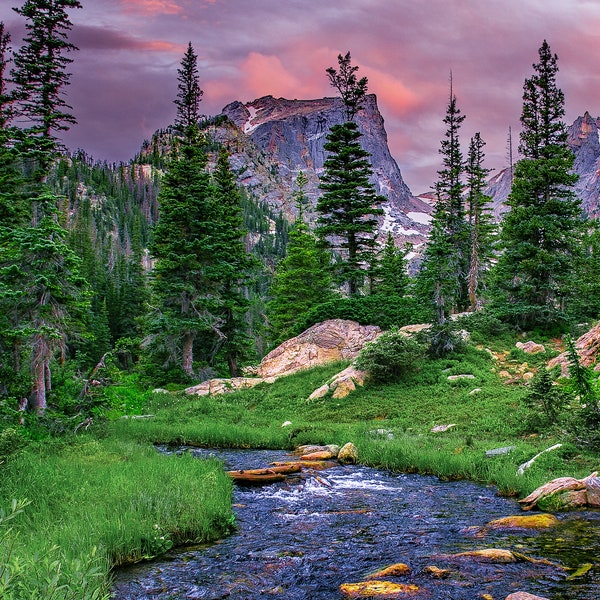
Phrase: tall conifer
(541,233)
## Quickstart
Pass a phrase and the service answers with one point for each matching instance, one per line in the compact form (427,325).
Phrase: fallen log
(263,476)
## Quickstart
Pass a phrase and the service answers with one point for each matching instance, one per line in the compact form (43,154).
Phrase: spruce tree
(233,268)
(182,305)
(541,232)
(391,277)
(481,225)
(302,279)
(348,206)
(40,76)
(189,94)
(445,264)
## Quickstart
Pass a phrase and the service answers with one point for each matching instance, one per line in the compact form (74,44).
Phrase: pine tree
(348,206)
(182,291)
(445,264)
(302,279)
(481,226)
(42,289)
(391,278)
(233,267)
(189,94)
(541,232)
(39,76)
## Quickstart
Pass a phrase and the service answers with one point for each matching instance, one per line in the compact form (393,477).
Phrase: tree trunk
(187,353)
(39,386)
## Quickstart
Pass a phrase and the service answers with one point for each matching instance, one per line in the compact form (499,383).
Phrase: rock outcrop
(588,349)
(326,342)
(290,135)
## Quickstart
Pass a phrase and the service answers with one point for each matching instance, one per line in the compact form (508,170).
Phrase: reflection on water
(302,538)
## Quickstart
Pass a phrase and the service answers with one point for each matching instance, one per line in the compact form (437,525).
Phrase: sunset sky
(125,73)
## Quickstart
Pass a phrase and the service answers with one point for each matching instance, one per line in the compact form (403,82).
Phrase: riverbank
(106,497)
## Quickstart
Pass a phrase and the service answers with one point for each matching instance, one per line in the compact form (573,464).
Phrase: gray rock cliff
(290,134)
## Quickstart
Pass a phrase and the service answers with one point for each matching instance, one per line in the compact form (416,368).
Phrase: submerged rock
(391,571)
(378,589)
(487,555)
(436,572)
(541,521)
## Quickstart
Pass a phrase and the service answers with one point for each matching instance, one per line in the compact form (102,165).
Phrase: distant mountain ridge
(290,135)
(584,141)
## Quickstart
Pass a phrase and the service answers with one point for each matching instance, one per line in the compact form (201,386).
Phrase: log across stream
(306,536)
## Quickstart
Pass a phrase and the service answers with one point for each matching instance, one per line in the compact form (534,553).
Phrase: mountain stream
(302,538)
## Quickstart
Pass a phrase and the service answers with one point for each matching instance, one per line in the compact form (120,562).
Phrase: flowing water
(302,538)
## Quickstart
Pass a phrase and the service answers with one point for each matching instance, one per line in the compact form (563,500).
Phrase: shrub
(390,357)
(545,402)
(444,339)
(376,309)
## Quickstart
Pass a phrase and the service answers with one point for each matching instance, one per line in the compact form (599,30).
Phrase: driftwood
(556,486)
(263,476)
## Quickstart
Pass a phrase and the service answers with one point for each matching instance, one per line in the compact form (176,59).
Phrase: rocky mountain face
(277,138)
(584,141)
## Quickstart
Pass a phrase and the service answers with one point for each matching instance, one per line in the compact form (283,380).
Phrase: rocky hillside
(584,140)
(289,136)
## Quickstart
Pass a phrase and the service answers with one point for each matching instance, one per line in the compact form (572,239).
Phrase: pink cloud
(266,75)
(152,7)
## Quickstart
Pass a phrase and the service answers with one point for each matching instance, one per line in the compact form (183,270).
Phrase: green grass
(106,497)
(94,504)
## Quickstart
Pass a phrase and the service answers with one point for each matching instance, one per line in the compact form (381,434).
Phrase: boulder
(213,387)
(348,454)
(341,384)
(592,491)
(530,347)
(487,555)
(326,342)
(524,596)
(560,493)
(588,349)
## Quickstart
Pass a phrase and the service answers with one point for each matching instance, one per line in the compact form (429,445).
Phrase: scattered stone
(541,521)
(528,376)
(392,571)
(377,589)
(528,464)
(341,384)
(286,423)
(160,391)
(348,454)
(530,347)
(343,388)
(457,377)
(499,451)
(214,387)
(383,433)
(524,596)
(333,448)
(308,449)
(475,391)
(440,428)
(436,572)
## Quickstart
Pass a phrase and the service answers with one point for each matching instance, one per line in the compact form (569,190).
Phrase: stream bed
(302,538)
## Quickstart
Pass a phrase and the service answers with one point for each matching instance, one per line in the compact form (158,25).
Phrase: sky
(124,76)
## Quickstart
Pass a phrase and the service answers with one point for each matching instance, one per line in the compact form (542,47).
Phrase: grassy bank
(107,497)
(96,503)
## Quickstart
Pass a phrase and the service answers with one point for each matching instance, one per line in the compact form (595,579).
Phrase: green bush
(376,309)
(444,339)
(390,357)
